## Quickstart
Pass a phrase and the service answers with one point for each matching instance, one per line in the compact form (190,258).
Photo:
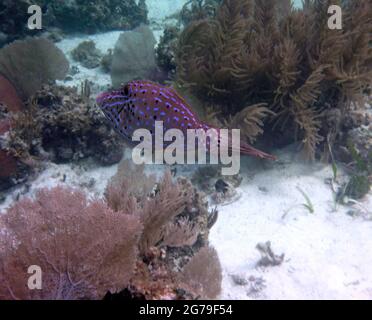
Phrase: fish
(138,104)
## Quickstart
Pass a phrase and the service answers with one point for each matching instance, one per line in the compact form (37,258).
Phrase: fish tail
(246,149)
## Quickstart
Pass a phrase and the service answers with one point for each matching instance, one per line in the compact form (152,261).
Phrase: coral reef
(204,273)
(106,61)
(162,253)
(87,54)
(30,63)
(134,56)
(210,179)
(198,10)
(263,54)
(13,20)
(176,224)
(165,208)
(12,171)
(166,50)
(24,67)
(360,180)
(9,96)
(102,15)
(71,16)
(63,125)
(84,249)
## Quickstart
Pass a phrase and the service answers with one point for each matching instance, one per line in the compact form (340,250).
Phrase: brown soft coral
(257,51)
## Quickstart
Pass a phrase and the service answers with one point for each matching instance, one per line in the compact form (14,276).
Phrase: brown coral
(32,62)
(9,96)
(134,56)
(66,125)
(204,273)
(257,51)
(84,249)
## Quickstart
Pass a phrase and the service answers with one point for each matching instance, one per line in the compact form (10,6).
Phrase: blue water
(297,3)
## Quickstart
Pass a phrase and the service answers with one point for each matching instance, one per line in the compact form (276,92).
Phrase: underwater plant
(257,54)
(176,224)
(204,273)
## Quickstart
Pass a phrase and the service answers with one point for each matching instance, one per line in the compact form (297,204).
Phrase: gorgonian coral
(257,53)
(83,248)
(138,240)
(30,63)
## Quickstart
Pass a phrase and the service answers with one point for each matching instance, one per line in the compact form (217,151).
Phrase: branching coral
(176,223)
(166,208)
(257,51)
(84,249)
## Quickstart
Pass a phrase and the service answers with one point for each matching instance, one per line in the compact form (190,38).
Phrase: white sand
(328,254)
(104,42)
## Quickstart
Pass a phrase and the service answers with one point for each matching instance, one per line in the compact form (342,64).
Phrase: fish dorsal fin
(175,92)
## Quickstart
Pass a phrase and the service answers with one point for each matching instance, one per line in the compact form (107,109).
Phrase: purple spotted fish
(138,104)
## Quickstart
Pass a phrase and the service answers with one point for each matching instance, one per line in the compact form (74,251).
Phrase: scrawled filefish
(138,104)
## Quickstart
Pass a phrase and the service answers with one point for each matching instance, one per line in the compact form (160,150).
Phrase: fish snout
(100,99)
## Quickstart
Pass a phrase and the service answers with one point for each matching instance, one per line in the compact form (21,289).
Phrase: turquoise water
(297,3)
